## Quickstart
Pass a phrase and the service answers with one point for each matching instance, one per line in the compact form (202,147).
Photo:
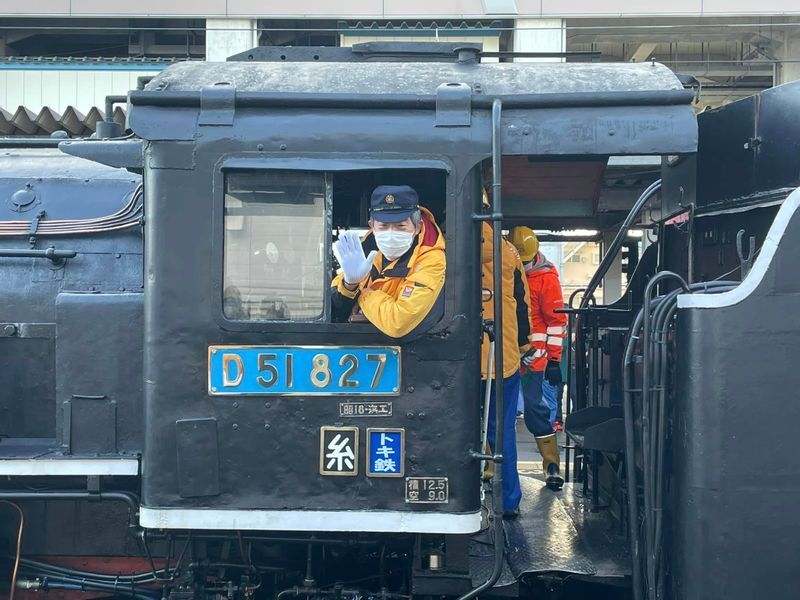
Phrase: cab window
(274,249)
(278,229)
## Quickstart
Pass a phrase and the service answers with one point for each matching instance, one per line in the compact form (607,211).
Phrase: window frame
(327,163)
(327,226)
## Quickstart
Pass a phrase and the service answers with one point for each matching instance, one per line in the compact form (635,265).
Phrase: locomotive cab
(244,238)
(263,413)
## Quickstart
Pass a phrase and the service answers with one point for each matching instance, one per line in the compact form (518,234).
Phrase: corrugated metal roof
(85,63)
(24,122)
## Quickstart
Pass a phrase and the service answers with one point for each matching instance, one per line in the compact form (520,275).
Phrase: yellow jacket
(516,304)
(397,295)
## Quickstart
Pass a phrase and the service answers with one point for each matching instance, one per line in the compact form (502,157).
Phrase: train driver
(394,276)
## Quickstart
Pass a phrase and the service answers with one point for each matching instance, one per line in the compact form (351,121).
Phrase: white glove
(528,358)
(350,254)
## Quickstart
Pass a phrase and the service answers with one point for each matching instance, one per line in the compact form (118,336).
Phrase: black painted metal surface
(372,51)
(725,160)
(99,372)
(276,467)
(747,155)
(736,489)
(777,158)
(84,353)
(43,180)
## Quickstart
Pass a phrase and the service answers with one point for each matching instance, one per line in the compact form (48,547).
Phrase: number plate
(427,490)
(365,409)
(303,370)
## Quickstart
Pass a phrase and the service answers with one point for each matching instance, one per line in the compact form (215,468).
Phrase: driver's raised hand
(350,254)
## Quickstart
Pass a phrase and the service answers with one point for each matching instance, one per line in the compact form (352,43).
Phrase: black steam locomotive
(180,417)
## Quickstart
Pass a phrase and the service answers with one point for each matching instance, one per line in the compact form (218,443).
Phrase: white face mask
(393,244)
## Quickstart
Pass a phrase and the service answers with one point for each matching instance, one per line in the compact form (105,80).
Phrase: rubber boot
(548,448)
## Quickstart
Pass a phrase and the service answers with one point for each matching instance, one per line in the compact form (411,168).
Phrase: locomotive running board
(554,534)
(367,521)
(69,466)
(37,457)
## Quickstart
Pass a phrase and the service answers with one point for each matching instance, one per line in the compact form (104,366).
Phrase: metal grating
(24,122)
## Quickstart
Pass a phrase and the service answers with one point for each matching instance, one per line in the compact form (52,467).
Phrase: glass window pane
(274,245)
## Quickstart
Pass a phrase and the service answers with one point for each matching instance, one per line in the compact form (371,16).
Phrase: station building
(72,53)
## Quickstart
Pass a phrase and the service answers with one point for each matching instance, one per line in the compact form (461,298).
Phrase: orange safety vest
(547,326)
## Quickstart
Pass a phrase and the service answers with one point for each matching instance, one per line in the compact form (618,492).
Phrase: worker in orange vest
(542,361)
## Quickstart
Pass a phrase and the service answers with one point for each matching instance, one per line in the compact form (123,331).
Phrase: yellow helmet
(526,242)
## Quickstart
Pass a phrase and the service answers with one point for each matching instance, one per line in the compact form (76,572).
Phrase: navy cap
(393,203)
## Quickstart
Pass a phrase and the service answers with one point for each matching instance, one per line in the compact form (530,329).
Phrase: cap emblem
(389,199)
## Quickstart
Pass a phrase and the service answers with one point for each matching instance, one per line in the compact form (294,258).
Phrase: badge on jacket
(407,291)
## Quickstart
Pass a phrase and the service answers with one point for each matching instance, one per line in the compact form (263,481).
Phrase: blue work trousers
(550,393)
(512,493)
(537,411)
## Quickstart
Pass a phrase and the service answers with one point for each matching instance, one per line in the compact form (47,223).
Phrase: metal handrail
(51,254)
(497,284)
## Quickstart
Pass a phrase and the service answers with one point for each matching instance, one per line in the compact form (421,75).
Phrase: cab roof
(415,78)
